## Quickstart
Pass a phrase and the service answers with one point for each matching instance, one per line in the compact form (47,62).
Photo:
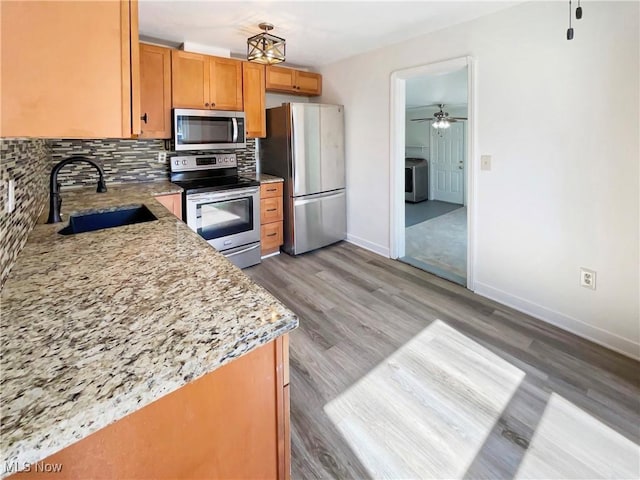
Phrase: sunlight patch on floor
(571,444)
(426,410)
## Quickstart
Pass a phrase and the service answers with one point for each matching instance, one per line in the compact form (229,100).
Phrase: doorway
(432,184)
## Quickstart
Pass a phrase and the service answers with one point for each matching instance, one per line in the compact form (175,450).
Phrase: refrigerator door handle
(293,152)
(310,198)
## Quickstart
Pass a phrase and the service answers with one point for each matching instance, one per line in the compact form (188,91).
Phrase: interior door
(318,148)
(448,163)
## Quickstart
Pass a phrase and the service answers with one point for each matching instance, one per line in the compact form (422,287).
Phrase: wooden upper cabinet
(309,83)
(190,80)
(280,79)
(69,69)
(205,82)
(289,80)
(254,100)
(225,83)
(155,91)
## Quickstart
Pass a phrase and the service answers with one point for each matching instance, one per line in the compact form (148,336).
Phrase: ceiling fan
(440,119)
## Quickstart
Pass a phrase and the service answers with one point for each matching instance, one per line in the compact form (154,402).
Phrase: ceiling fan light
(266,48)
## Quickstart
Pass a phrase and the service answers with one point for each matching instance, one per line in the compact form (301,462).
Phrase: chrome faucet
(55,200)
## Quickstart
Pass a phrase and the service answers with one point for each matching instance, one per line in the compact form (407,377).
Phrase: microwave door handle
(234,121)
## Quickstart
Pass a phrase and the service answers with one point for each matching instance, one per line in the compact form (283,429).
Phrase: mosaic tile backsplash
(127,160)
(27,162)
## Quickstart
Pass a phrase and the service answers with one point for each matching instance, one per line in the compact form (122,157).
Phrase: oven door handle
(244,250)
(234,121)
(208,197)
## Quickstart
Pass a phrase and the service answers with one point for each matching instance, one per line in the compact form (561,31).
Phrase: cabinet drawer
(268,190)
(270,210)
(271,237)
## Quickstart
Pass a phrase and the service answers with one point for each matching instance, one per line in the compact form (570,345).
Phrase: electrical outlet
(587,278)
(11,196)
(162,157)
(485,162)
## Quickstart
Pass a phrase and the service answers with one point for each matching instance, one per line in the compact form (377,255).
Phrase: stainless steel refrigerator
(305,146)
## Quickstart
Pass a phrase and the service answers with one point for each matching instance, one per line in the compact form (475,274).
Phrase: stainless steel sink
(90,222)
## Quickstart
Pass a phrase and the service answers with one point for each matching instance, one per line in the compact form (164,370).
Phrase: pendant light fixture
(266,48)
(578,16)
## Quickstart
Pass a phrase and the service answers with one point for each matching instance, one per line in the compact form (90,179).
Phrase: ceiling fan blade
(457,118)
(421,119)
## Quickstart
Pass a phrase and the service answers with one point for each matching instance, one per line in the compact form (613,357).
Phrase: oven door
(207,129)
(225,219)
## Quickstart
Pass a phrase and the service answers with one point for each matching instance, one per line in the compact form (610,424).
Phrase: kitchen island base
(230,423)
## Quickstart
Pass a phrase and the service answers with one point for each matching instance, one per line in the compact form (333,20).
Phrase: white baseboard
(367,245)
(573,325)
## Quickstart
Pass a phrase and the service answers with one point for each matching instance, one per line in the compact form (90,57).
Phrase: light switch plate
(485,162)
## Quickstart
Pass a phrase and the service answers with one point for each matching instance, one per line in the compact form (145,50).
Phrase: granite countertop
(97,325)
(266,178)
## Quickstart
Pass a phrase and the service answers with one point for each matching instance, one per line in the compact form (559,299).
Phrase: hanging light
(266,48)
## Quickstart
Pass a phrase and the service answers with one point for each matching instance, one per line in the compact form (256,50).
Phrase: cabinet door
(225,83)
(155,91)
(172,202)
(66,69)
(190,78)
(280,79)
(231,423)
(253,98)
(308,83)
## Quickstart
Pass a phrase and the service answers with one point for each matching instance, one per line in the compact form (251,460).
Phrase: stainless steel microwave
(207,129)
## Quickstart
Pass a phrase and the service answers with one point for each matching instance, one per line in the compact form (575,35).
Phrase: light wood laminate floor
(396,373)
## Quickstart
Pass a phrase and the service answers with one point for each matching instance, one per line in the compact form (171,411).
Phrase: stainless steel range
(219,205)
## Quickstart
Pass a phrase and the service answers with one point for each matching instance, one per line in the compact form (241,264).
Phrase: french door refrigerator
(305,146)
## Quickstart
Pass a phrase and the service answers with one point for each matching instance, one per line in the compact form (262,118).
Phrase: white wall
(561,120)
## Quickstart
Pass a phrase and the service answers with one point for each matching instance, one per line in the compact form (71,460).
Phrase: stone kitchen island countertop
(98,325)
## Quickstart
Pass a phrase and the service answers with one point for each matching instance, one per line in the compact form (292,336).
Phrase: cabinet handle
(213,104)
(206,104)
(271,189)
(271,209)
(271,235)
(144,118)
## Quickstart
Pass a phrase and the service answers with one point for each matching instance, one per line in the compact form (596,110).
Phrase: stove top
(212,184)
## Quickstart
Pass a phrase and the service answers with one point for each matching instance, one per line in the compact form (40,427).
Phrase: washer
(416,179)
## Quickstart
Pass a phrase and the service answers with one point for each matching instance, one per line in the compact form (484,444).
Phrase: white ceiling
(317,33)
(448,88)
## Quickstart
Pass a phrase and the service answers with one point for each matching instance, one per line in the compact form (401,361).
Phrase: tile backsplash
(127,160)
(29,162)
(25,161)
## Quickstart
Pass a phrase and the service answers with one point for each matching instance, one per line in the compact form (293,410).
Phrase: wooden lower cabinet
(271,216)
(172,202)
(230,423)
(271,237)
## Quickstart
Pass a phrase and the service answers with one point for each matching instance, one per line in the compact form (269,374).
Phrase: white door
(447,163)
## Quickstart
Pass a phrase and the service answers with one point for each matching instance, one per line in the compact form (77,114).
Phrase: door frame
(397,154)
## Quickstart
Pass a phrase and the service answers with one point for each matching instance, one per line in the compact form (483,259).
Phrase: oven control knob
(177,162)
(184,162)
